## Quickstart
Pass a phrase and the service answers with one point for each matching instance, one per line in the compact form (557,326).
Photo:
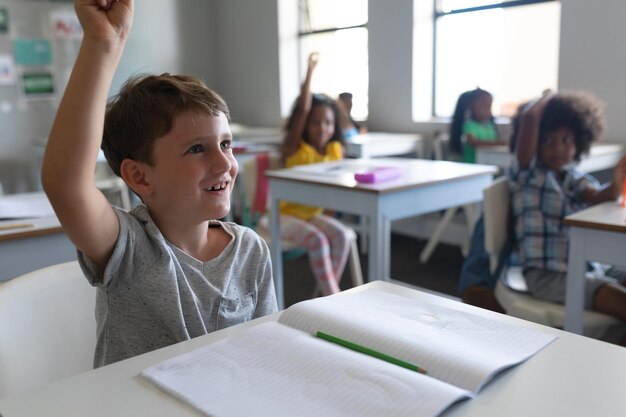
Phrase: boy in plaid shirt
(554,132)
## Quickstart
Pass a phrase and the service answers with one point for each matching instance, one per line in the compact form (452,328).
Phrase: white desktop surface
(596,234)
(377,144)
(574,376)
(257,135)
(31,237)
(25,205)
(601,156)
(426,186)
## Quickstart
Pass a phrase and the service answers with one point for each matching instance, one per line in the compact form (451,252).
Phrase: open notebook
(281,368)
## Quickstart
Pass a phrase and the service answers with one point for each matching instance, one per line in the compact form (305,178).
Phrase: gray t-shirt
(153,294)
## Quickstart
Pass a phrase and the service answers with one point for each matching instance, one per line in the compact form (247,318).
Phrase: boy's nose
(220,162)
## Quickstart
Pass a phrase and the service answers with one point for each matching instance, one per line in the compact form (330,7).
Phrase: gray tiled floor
(439,274)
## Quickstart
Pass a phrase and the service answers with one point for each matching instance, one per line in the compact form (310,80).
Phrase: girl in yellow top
(313,135)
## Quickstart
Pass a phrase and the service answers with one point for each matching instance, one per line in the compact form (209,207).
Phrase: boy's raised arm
(70,158)
(527,139)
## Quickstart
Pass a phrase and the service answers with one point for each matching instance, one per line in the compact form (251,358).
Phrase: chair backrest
(496,216)
(436,148)
(47,327)
(256,189)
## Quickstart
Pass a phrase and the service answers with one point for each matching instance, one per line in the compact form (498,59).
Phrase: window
(338,31)
(510,48)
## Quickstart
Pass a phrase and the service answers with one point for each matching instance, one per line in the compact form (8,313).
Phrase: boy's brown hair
(144,110)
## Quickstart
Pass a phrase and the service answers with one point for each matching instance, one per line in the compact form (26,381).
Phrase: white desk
(426,186)
(596,234)
(377,144)
(257,135)
(601,156)
(574,376)
(31,237)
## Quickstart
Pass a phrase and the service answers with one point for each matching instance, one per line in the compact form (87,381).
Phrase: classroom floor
(440,274)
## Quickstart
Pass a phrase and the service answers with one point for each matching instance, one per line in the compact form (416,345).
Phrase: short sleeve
(335,150)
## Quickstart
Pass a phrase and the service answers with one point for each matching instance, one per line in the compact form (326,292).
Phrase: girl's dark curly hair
(579,111)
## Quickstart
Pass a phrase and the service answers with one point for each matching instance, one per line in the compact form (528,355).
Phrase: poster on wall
(4,20)
(7,70)
(37,85)
(65,25)
(32,52)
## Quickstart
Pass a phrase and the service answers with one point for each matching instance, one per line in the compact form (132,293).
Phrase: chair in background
(47,327)
(511,291)
(256,199)
(437,148)
(113,187)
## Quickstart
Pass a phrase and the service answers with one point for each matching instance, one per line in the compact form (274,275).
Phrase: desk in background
(596,234)
(257,135)
(31,236)
(426,186)
(574,376)
(601,156)
(113,187)
(377,144)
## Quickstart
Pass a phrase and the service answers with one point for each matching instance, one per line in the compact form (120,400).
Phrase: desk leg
(575,291)
(277,253)
(377,247)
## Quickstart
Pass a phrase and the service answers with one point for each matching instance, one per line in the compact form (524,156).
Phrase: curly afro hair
(581,112)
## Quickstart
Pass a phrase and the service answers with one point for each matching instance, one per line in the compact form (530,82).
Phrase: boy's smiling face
(193,170)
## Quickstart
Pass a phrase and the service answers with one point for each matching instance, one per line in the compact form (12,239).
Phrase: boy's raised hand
(105,20)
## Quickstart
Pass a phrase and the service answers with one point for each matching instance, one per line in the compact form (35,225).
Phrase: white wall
(247,60)
(234,46)
(167,36)
(593,56)
(170,36)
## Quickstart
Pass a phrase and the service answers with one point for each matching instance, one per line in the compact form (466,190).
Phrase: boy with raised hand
(167,271)
(555,131)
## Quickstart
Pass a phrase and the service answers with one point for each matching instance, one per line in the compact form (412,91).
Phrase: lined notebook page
(454,346)
(274,370)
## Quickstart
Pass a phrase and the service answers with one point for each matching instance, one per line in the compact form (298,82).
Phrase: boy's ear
(134,174)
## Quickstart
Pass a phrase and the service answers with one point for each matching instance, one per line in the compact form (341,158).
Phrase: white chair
(436,148)
(511,291)
(47,327)
(255,204)
(112,186)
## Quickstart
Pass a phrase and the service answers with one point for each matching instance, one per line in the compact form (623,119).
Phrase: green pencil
(370,352)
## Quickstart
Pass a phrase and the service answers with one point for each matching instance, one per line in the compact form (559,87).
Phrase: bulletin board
(38,46)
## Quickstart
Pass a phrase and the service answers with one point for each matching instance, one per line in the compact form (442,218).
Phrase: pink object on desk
(379,174)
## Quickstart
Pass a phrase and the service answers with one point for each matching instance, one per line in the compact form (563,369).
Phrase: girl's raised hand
(314,58)
(105,20)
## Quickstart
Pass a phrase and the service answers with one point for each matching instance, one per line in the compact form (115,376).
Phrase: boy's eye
(195,149)
(227,144)
(548,140)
